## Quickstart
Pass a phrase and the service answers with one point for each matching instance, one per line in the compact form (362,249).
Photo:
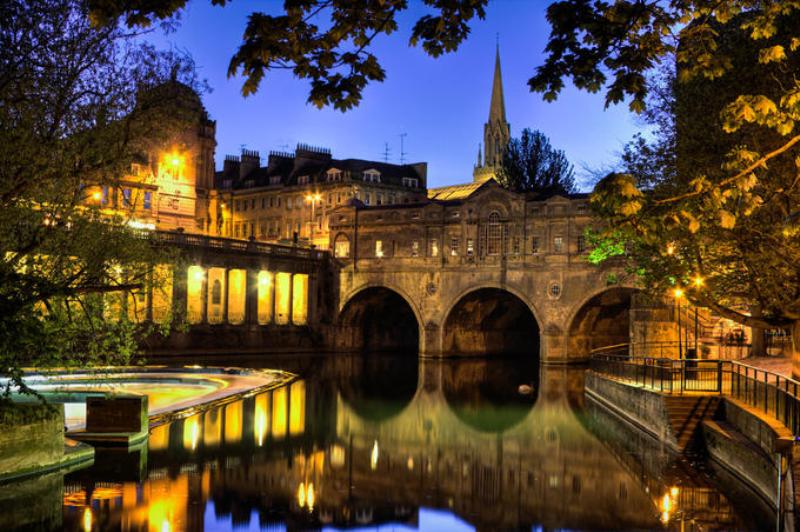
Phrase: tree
(719,216)
(74,115)
(531,164)
(324,41)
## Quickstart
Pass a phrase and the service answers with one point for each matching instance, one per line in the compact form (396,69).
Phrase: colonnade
(237,296)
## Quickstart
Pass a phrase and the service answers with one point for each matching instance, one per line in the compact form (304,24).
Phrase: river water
(392,443)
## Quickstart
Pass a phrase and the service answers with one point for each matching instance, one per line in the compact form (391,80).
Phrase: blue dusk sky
(441,104)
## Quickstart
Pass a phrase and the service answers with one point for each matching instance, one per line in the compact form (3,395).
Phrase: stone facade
(531,251)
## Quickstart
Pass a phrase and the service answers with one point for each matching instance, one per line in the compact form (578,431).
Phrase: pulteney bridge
(476,270)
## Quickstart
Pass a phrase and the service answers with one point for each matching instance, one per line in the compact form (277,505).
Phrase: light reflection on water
(388,443)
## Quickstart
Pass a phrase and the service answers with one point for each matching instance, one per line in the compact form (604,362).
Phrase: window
(136,169)
(379,248)
(372,176)
(341,247)
(253,203)
(582,208)
(415,248)
(558,244)
(104,198)
(334,174)
(555,290)
(275,180)
(494,234)
(271,201)
(454,247)
(581,244)
(216,292)
(288,203)
(148,200)
(411,182)
(515,245)
(302,180)
(244,205)
(434,247)
(126,196)
(263,202)
(470,247)
(378,198)
(366,198)
(535,244)
(392,198)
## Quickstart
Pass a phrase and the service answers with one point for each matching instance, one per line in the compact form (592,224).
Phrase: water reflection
(355,442)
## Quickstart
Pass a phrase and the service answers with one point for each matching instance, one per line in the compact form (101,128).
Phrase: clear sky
(441,104)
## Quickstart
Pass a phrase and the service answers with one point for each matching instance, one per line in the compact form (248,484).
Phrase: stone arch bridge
(493,272)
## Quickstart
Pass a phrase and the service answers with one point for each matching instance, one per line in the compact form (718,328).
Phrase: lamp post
(313,199)
(678,293)
(698,282)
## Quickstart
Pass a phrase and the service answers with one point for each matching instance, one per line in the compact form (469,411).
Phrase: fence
(770,393)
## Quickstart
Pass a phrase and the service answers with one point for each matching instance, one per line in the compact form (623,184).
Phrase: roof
(454,192)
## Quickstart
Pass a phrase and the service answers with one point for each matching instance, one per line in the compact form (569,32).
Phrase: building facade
(290,198)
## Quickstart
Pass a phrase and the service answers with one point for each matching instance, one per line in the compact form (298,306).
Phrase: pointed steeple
(497,110)
(496,131)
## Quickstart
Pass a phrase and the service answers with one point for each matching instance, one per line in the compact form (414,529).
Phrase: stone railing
(169,238)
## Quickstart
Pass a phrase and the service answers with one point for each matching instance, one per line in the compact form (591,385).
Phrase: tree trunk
(758,345)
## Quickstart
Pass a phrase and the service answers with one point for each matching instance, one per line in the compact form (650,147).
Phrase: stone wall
(31,437)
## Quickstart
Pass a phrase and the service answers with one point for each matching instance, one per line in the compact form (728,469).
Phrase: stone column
(225,293)
(291,299)
(204,297)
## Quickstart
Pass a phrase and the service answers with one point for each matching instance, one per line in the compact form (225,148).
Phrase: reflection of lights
(410,463)
(260,421)
(310,496)
(191,433)
(678,293)
(337,455)
(301,495)
(165,527)
(666,503)
(373,459)
(87,519)
(97,195)
(674,491)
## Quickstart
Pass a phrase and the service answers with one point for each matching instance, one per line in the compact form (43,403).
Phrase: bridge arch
(491,319)
(376,317)
(599,320)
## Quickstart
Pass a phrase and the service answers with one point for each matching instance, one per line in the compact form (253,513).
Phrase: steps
(685,414)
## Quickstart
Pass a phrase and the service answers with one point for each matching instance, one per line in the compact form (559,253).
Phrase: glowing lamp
(670,249)
(698,281)
(175,160)
(97,195)
(678,293)
(198,274)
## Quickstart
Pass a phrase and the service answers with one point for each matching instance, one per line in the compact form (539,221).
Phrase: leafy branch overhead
(326,42)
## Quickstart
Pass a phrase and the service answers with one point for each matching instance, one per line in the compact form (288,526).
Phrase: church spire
(496,131)
(497,110)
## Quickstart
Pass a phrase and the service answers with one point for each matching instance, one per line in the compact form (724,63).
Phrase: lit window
(126,196)
(148,200)
(434,247)
(341,247)
(379,248)
(558,244)
(415,248)
(494,234)
(470,247)
(454,247)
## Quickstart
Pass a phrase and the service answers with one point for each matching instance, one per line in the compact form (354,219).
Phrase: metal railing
(770,393)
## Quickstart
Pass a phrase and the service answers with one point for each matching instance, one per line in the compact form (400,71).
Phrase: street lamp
(313,199)
(678,293)
(698,283)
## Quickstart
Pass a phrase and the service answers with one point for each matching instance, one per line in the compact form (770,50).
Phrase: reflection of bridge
(493,271)
(380,450)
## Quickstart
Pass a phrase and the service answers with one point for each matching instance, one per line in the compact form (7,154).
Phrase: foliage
(717,215)
(324,41)
(73,118)
(531,164)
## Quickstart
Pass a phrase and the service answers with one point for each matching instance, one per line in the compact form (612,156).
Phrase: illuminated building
(293,194)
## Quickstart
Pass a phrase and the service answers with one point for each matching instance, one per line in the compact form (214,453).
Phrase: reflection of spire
(497,110)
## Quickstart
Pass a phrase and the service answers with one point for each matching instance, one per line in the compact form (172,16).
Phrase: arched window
(494,235)
(341,247)
(216,292)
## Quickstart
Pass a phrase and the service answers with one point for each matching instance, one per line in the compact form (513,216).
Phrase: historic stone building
(289,199)
(496,131)
(168,189)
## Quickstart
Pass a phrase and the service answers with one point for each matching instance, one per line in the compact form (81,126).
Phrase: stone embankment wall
(31,438)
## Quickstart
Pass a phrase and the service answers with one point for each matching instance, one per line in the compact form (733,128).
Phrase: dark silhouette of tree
(531,164)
